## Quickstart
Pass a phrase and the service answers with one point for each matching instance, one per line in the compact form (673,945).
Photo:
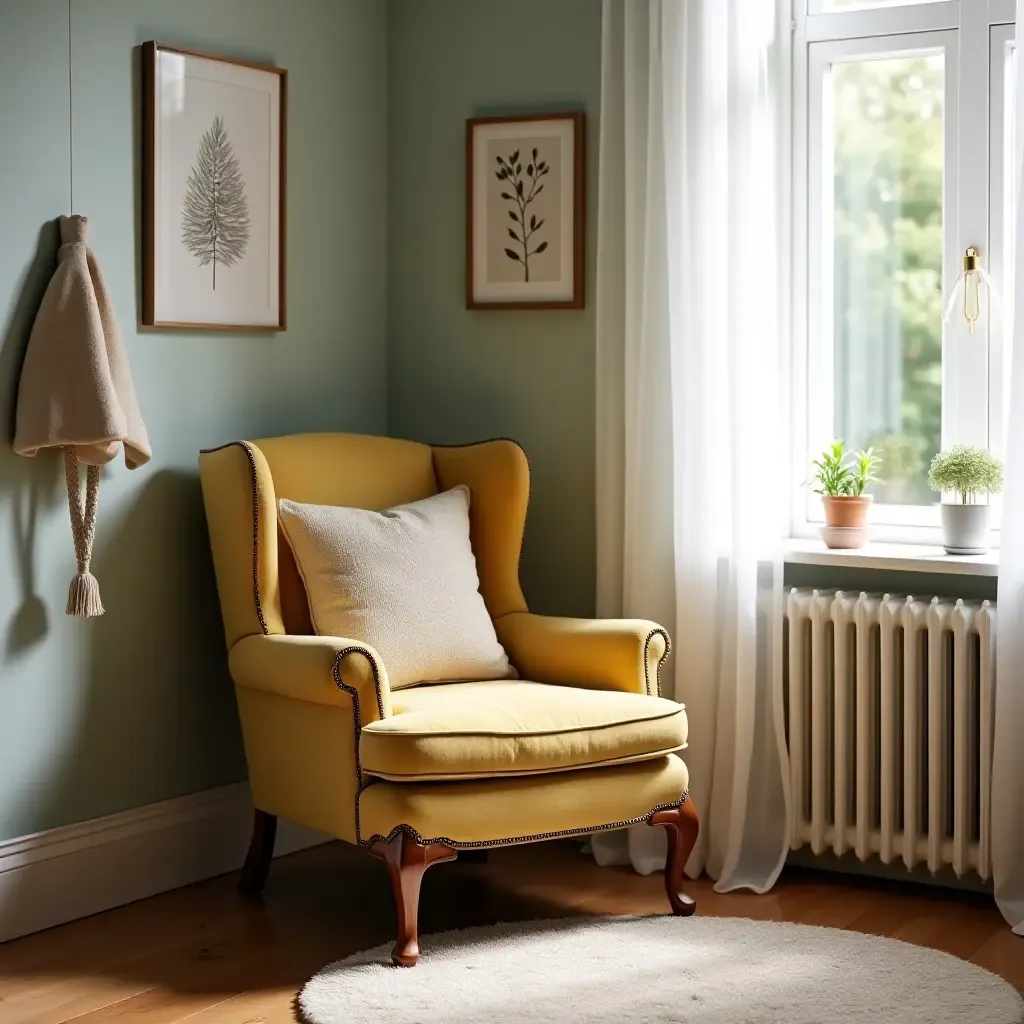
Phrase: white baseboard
(71,872)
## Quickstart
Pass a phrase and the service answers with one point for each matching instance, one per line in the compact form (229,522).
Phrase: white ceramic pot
(965,529)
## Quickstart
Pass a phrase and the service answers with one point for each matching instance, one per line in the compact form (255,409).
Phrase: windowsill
(893,557)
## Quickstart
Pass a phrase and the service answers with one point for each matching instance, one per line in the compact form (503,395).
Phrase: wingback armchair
(581,742)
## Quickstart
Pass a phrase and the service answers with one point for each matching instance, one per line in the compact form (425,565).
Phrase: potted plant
(966,471)
(842,480)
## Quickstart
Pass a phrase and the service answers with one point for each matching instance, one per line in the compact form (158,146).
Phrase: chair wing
(498,477)
(259,588)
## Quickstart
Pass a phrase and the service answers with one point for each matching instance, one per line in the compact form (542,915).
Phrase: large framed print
(213,191)
(525,209)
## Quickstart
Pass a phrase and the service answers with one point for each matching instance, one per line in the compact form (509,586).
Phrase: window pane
(887,219)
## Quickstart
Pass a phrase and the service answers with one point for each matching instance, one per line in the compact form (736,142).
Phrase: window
(901,160)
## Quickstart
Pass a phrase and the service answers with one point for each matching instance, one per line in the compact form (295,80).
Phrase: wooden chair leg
(407,860)
(261,851)
(683,826)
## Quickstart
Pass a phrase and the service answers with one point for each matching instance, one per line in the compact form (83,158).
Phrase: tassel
(84,597)
(84,593)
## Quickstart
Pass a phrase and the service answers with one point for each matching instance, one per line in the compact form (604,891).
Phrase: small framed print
(525,212)
(213,191)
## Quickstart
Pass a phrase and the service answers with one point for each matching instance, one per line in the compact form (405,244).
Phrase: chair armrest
(599,654)
(319,669)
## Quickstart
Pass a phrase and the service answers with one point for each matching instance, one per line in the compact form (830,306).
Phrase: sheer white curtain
(1008,755)
(692,452)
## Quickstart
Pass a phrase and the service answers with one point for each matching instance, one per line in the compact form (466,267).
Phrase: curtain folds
(692,447)
(1008,754)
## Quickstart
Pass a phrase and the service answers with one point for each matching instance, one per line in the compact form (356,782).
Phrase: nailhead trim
(409,831)
(246,447)
(357,718)
(647,646)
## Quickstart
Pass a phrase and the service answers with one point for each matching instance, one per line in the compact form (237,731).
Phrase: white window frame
(1001,235)
(973,37)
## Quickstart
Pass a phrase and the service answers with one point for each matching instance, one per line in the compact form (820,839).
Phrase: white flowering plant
(966,471)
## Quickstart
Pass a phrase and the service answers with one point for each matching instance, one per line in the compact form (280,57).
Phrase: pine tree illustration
(215,213)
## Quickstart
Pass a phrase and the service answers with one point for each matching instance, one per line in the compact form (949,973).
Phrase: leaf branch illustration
(215,213)
(525,188)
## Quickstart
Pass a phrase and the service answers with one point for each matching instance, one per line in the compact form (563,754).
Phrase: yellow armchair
(581,742)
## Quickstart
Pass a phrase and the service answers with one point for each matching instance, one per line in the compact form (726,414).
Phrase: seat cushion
(515,727)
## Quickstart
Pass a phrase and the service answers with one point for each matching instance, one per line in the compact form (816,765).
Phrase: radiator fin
(891,715)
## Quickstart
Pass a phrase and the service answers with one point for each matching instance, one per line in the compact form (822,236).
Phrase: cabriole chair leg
(261,852)
(683,827)
(407,860)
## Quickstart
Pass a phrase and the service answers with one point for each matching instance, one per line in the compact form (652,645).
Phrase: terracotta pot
(846,521)
(847,512)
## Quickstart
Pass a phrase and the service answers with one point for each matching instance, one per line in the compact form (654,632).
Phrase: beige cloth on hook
(76,393)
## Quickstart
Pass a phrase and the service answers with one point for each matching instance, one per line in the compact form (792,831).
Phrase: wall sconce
(968,286)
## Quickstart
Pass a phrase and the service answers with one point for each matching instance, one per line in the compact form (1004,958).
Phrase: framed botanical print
(525,212)
(213,191)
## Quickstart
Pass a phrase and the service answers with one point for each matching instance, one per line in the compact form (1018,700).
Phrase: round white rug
(632,970)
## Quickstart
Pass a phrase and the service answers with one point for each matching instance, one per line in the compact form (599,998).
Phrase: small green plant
(967,471)
(840,474)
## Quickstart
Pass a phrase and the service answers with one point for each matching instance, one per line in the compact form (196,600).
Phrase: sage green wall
(456,375)
(136,706)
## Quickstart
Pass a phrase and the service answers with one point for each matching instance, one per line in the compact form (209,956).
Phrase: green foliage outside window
(888,265)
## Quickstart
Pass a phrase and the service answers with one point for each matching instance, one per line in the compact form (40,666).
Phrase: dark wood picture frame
(578,119)
(150,51)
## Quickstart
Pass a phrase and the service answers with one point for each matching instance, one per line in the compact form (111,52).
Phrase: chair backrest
(259,586)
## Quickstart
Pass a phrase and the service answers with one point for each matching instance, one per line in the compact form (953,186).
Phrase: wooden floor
(205,955)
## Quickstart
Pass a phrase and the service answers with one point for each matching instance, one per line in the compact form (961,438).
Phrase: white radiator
(890,719)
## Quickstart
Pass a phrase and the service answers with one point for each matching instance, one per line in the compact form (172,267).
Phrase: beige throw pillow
(403,581)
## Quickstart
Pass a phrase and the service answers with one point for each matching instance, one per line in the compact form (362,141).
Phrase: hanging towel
(76,394)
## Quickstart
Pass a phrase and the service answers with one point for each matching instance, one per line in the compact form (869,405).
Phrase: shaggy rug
(633,970)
